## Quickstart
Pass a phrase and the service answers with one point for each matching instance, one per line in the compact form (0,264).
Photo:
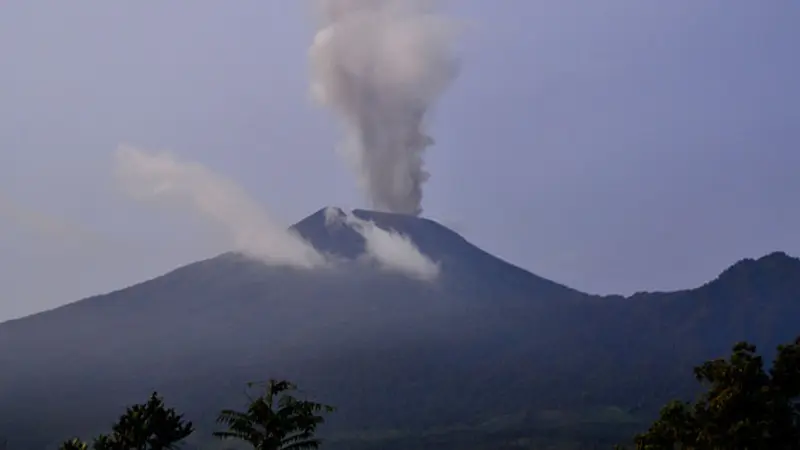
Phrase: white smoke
(379,65)
(163,177)
(395,252)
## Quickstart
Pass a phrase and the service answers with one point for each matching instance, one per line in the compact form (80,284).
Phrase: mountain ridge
(391,352)
(309,228)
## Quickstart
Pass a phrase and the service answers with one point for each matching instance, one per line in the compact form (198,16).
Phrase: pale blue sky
(613,146)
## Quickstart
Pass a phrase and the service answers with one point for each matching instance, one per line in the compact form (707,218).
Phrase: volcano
(486,352)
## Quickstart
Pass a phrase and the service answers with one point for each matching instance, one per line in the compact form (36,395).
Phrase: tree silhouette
(275,420)
(73,444)
(744,408)
(148,426)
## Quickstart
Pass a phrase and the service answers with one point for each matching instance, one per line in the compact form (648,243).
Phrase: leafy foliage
(744,408)
(148,426)
(275,420)
(73,444)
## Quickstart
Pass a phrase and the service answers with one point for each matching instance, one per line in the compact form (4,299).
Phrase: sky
(614,146)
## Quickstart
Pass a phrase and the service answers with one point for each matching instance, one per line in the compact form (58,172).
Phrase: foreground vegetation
(744,407)
(275,420)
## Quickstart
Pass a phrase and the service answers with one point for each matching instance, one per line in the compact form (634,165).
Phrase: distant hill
(488,352)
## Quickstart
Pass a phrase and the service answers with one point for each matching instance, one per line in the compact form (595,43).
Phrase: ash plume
(160,176)
(380,65)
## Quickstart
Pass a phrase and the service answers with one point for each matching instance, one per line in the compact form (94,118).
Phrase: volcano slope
(485,353)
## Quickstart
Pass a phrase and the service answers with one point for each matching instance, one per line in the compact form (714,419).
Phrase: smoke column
(380,65)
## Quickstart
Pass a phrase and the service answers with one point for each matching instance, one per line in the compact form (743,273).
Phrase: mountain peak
(328,232)
(778,256)
(462,262)
(776,269)
(771,262)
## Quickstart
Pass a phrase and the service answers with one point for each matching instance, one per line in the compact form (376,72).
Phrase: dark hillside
(486,350)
